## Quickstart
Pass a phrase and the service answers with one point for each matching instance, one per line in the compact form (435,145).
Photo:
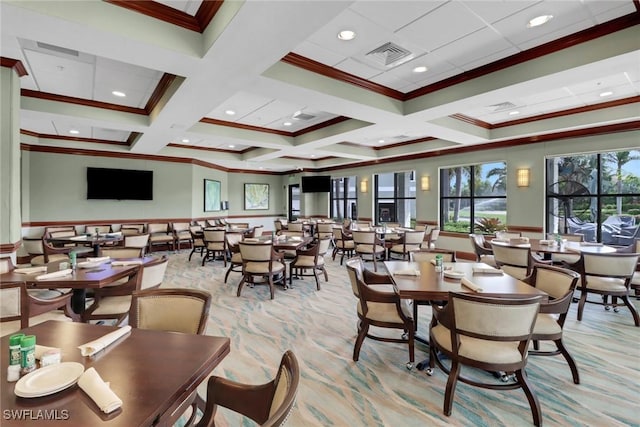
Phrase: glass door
(294,202)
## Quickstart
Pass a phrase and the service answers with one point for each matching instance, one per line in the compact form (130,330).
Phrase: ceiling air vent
(503,106)
(302,116)
(389,55)
(58,49)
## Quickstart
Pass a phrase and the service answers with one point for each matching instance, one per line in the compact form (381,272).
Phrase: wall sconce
(523,177)
(364,186)
(425,183)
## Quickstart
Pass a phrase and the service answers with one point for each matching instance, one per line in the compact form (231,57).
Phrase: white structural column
(10,210)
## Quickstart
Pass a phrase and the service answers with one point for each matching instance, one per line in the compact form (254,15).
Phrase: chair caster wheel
(607,308)
(429,371)
(616,309)
(409,366)
(405,335)
(505,378)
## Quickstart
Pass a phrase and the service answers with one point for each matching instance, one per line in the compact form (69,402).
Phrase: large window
(343,198)
(395,198)
(597,195)
(473,198)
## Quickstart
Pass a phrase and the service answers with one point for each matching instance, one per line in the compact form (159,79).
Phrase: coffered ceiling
(268,85)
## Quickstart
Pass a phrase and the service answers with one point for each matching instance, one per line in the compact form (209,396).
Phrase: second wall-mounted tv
(316,184)
(119,184)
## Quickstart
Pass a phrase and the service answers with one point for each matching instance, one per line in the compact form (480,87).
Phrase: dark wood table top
(151,371)
(569,247)
(81,278)
(432,286)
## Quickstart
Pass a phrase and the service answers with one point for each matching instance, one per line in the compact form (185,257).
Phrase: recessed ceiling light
(232,146)
(420,69)
(607,93)
(185,140)
(346,35)
(380,141)
(514,113)
(287,123)
(74,132)
(118,93)
(539,20)
(230,112)
(313,155)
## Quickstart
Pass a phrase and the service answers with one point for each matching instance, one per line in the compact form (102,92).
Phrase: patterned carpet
(320,327)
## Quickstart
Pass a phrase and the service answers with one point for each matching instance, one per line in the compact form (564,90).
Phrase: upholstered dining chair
(215,243)
(197,241)
(311,258)
(607,275)
(160,235)
(516,261)
(324,230)
(409,242)
(122,252)
(173,310)
(140,241)
(482,249)
(430,238)
(343,244)
(506,235)
(114,302)
(181,234)
(368,244)
(261,261)
(492,334)
(267,404)
(559,284)
(379,305)
(132,229)
(235,257)
(21,307)
(565,259)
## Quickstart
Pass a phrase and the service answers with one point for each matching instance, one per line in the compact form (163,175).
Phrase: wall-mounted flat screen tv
(316,184)
(119,184)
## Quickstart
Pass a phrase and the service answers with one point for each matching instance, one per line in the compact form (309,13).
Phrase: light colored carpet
(320,327)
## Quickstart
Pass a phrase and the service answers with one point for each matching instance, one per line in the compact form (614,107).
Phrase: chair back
(295,226)
(233,240)
(102,228)
(257,231)
(513,260)
(173,310)
(506,235)
(277,226)
(493,319)
(555,281)
(180,226)
(119,252)
(575,237)
(33,246)
(355,268)
(286,388)
(215,239)
(157,228)
(364,237)
(255,251)
(414,238)
(131,229)
(614,265)
(14,306)
(430,254)
(324,229)
(136,241)
(323,246)
(153,273)
(6,265)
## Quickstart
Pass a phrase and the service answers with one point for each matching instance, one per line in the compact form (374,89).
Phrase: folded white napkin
(590,244)
(518,240)
(31,270)
(98,259)
(78,238)
(573,249)
(295,238)
(486,270)
(55,274)
(547,242)
(251,239)
(407,272)
(95,346)
(116,263)
(469,284)
(92,384)
(42,349)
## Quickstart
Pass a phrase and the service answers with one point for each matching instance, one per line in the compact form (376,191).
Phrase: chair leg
(634,313)
(363,328)
(572,363)
(583,300)
(271,288)
(226,276)
(315,274)
(204,258)
(326,276)
(241,284)
(451,387)
(192,251)
(415,315)
(531,397)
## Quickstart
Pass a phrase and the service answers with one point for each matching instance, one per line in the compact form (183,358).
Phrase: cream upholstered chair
(170,309)
(492,334)
(559,284)
(259,260)
(343,244)
(368,244)
(197,241)
(430,254)
(516,261)
(21,308)
(235,259)
(431,238)
(215,243)
(181,234)
(38,255)
(482,249)
(122,252)
(295,227)
(160,235)
(506,235)
(136,241)
(608,275)
(114,302)
(131,229)
(324,230)
(410,241)
(379,305)
(564,259)
(267,404)
(311,258)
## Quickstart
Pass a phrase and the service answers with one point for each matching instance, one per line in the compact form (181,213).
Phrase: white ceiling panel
(492,11)
(319,53)
(397,14)
(272,111)
(480,44)
(61,75)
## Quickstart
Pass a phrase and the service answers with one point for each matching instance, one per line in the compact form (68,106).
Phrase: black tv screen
(119,184)
(316,184)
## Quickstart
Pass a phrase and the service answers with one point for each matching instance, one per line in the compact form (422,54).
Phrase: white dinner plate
(48,380)
(453,274)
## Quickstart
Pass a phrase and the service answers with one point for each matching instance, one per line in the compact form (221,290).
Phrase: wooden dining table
(566,248)
(96,242)
(79,280)
(152,372)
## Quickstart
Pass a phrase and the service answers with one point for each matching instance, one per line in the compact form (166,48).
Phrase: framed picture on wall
(256,197)
(211,195)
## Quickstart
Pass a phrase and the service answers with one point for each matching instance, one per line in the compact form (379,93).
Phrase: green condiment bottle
(28,353)
(14,349)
